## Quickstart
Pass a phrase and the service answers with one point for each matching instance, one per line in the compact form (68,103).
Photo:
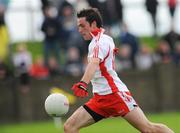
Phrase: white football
(56,105)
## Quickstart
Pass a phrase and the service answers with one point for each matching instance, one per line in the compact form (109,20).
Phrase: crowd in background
(64,50)
(132,53)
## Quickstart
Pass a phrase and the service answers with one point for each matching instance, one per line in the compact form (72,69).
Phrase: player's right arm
(80,88)
(90,69)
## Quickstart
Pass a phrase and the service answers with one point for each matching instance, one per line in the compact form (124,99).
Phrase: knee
(148,128)
(161,128)
(155,128)
(69,127)
(66,127)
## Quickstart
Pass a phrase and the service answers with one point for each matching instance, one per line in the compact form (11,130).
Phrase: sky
(24,18)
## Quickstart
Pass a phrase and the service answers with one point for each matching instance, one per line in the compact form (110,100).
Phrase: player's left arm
(90,69)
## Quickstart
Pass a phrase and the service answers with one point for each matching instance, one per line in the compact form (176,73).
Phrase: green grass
(115,125)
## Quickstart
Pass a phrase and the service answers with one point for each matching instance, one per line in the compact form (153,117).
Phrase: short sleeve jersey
(105,80)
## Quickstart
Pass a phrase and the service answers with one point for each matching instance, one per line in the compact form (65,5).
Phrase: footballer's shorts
(111,105)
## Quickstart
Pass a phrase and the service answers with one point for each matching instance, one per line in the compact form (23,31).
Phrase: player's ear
(94,24)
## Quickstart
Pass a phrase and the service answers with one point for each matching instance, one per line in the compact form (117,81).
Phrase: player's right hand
(80,89)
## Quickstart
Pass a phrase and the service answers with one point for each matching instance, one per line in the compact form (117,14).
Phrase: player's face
(84,28)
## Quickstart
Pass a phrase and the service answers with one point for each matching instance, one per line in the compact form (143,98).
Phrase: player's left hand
(80,89)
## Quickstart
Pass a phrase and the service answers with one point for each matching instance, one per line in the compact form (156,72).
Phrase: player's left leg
(137,119)
(80,118)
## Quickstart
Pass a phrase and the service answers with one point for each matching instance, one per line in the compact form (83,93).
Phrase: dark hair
(91,15)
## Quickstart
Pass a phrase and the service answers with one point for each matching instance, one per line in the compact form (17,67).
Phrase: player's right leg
(137,119)
(80,118)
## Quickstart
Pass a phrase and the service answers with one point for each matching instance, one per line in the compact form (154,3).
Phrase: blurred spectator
(66,19)
(38,69)
(45,3)
(111,10)
(151,6)
(22,61)
(69,34)
(123,60)
(163,52)
(4,39)
(172,37)
(50,28)
(115,11)
(176,55)
(127,38)
(102,6)
(172,4)
(73,65)
(54,69)
(54,3)
(144,58)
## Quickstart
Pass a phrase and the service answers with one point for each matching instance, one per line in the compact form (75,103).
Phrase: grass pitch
(114,125)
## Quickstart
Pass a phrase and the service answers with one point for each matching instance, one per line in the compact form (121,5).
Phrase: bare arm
(90,69)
